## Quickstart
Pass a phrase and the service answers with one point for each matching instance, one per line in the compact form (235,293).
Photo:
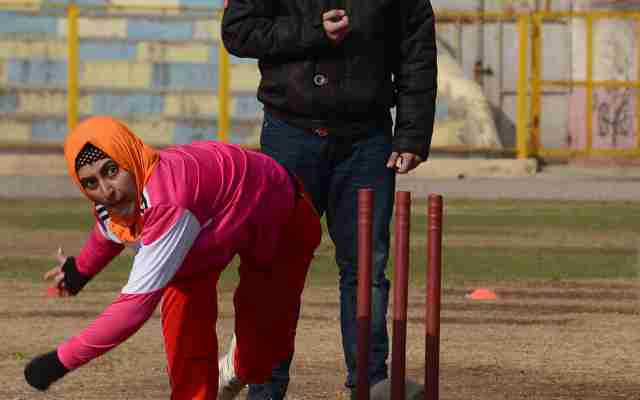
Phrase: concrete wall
(463,114)
(615,119)
(157,72)
(496,47)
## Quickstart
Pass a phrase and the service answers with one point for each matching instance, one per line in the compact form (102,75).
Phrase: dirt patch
(557,341)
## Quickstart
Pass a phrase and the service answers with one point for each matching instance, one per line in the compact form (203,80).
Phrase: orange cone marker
(482,294)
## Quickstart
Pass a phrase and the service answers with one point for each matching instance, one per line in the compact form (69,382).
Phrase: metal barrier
(589,83)
(532,86)
(526,95)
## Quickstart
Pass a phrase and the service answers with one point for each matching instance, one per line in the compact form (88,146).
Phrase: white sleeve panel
(156,263)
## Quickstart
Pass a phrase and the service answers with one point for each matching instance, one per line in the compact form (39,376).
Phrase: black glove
(43,370)
(74,281)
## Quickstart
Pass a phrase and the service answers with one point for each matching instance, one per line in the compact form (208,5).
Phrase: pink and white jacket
(203,204)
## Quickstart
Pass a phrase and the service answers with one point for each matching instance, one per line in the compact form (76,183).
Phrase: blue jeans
(332,169)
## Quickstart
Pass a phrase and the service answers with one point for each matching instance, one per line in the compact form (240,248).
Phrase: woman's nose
(107,190)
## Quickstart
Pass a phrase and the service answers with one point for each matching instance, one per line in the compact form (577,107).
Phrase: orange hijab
(127,150)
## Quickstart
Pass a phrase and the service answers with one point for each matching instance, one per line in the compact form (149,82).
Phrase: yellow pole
(459,41)
(536,67)
(638,78)
(224,76)
(72,66)
(522,117)
(589,95)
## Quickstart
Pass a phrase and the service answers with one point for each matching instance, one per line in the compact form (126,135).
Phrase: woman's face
(107,184)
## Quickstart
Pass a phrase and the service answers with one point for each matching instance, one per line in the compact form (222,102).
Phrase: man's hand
(403,162)
(336,25)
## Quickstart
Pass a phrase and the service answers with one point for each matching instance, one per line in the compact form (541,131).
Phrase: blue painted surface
(149,29)
(184,76)
(213,57)
(201,3)
(82,2)
(442,109)
(126,104)
(247,107)
(16,23)
(112,50)
(8,102)
(186,133)
(49,73)
(38,72)
(99,2)
(49,130)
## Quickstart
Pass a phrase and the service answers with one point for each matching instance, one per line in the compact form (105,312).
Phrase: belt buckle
(322,132)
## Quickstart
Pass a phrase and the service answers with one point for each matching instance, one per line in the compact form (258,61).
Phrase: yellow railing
(522,116)
(72,80)
(224,122)
(537,82)
(527,55)
(530,79)
(148,8)
(73,12)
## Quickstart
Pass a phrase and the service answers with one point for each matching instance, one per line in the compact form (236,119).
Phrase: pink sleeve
(116,324)
(96,253)
(167,237)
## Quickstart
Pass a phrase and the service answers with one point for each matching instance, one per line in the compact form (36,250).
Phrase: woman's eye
(90,184)
(112,170)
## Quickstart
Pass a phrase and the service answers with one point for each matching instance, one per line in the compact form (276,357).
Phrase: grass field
(484,241)
(565,327)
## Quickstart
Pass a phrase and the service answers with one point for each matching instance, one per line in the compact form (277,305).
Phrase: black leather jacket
(388,58)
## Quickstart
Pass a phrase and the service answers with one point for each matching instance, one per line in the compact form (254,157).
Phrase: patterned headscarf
(88,155)
(116,141)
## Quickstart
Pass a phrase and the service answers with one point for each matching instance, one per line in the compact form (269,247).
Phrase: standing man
(331,72)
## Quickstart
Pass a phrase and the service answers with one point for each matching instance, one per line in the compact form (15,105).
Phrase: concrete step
(54,165)
(470,168)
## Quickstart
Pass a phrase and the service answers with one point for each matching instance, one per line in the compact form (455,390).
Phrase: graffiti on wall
(614,108)
(614,117)
(615,55)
